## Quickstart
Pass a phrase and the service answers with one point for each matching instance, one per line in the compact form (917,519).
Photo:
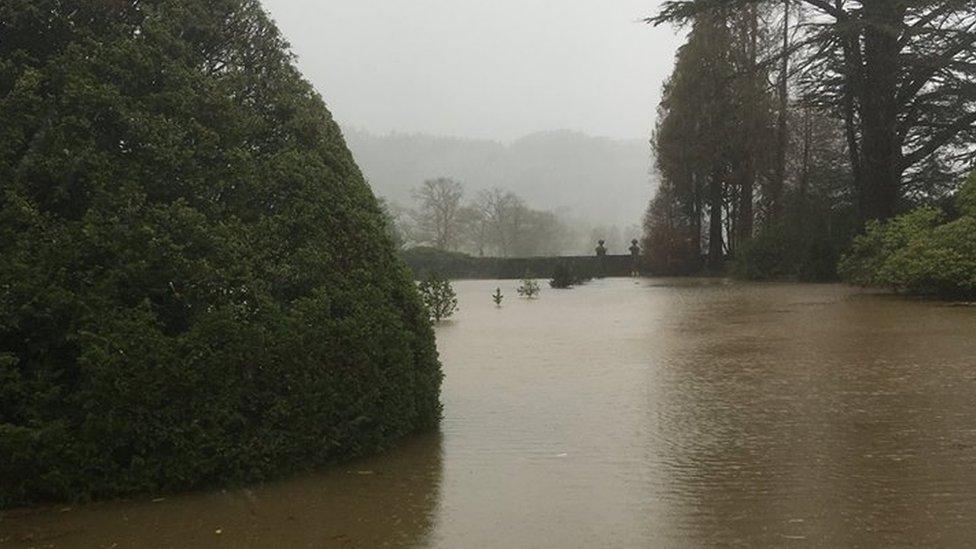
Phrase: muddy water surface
(650,413)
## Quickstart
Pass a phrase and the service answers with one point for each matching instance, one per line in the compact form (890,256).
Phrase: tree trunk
(731,205)
(778,182)
(715,241)
(880,184)
(696,232)
(807,144)
(694,213)
(746,214)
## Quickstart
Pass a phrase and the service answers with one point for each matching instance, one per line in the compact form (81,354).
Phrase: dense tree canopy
(901,74)
(874,103)
(712,140)
(196,285)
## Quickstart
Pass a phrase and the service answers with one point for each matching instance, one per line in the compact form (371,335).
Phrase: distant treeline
(787,127)
(603,181)
(493,223)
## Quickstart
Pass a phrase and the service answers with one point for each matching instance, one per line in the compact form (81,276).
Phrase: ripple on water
(668,413)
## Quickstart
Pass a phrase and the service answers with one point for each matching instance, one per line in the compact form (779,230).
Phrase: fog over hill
(596,179)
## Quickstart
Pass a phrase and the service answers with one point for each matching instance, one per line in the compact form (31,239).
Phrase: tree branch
(938,140)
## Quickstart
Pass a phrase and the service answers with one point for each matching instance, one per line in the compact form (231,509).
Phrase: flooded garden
(632,412)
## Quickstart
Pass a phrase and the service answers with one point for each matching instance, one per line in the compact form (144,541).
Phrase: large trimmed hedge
(196,285)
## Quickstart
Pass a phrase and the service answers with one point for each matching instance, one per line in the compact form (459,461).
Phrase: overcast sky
(496,69)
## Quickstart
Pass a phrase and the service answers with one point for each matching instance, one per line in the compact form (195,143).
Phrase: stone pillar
(601,259)
(634,258)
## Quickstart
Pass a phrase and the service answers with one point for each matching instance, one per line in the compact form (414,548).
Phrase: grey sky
(495,69)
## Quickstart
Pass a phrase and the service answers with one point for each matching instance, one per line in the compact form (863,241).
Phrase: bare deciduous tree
(437,218)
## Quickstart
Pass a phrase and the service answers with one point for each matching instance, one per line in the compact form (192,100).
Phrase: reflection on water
(385,501)
(651,413)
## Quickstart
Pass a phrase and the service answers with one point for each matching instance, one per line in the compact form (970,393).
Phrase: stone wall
(465,267)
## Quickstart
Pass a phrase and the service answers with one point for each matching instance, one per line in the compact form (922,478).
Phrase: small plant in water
(438,296)
(498,297)
(529,288)
(562,278)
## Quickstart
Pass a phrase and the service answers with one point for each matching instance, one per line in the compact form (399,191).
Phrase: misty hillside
(597,179)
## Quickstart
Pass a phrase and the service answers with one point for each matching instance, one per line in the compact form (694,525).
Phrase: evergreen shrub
(197,288)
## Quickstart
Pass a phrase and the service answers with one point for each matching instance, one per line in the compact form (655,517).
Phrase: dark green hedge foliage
(196,285)
(458,266)
(805,247)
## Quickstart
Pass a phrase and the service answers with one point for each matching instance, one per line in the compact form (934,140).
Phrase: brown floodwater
(649,413)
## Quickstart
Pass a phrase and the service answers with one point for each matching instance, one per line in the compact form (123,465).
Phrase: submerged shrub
(863,263)
(196,285)
(498,297)
(919,252)
(438,296)
(565,277)
(764,257)
(529,288)
(807,247)
(939,262)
